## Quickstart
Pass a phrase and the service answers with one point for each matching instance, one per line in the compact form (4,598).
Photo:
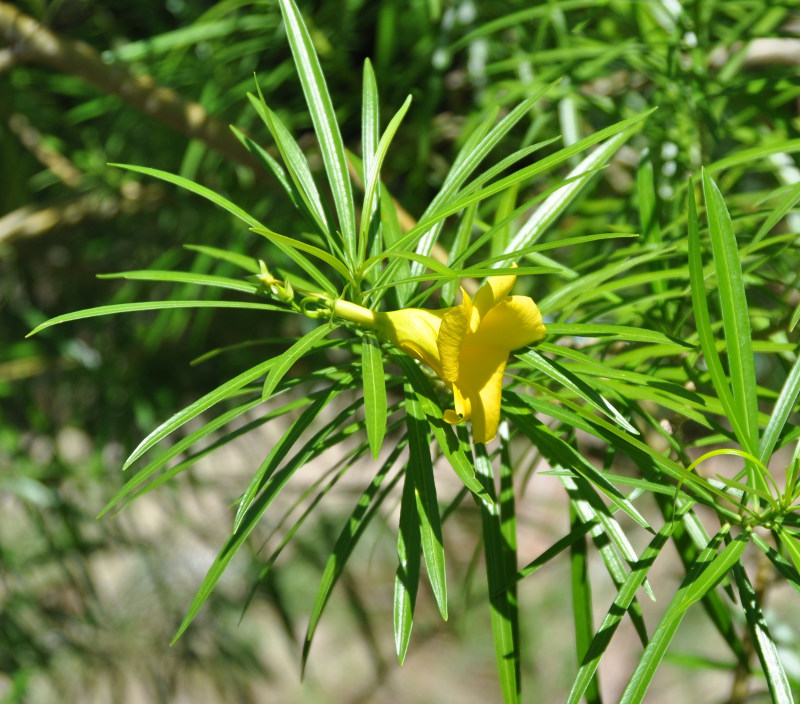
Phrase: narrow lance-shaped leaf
(370,119)
(582,611)
(708,570)
(420,469)
(547,213)
(783,407)
(735,313)
(607,535)
(373,176)
(466,162)
(184,277)
(295,244)
(458,453)
(766,648)
(602,638)
(325,124)
(370,136)
(566,378)
(374,391)
(305,190)
(149,305)
(359,519)
(703,324)
(241,260)
(194,409)
(559,451)
(406,582)
(249,521)
(500,554)
(284,362)
(235,210)
(283,446)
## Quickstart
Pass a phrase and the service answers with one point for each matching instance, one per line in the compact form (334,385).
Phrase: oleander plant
(477,327)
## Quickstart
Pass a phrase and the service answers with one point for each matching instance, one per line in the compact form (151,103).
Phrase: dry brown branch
(30,221)
(31,41)
(31,138)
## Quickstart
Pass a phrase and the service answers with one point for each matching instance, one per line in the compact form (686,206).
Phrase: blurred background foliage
(155,84)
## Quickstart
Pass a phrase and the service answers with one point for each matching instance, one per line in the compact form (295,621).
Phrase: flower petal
(451,336)
(481,382)
(463,408)
(514,322)
(494,290)
(415,330)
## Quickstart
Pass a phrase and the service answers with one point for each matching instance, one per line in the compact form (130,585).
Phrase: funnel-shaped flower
(466,345)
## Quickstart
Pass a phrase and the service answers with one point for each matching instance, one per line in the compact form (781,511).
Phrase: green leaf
(457,452)
(565,377)
(370,136)
(535,169)
(735,314)
(271,165)
(284,362)
(792,546)
(706,573)
(791,199)
(248,522)
(703,323)
(420,473)
(466,162)
(284,445)
(196,188)
(325,124)
(538,247)
(304,193)
(294,244)
(235,210)
(643,453)
(520,17)
(602,638)
(780,413)
(569,296)
(562,544)
(184,277)
(767,650)
(614,332)
(560,452)
(500,552)
(195,409)
(126,493)
(460,242)
(374,391)
(425,261)
(184,444)
(363,513)
(242,261)
(370,121)
(606,534)
(406,582)
(373,174)
(748,156)
(150,305)
(549,211)
(582,611)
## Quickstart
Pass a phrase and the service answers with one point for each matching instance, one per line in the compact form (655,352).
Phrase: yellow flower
(466,345)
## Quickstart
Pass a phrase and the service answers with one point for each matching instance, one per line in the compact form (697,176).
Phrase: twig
(31,138)
(29,221)
(31,41)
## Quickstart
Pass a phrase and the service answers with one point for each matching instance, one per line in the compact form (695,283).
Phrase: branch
(30,221)
(31,41)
